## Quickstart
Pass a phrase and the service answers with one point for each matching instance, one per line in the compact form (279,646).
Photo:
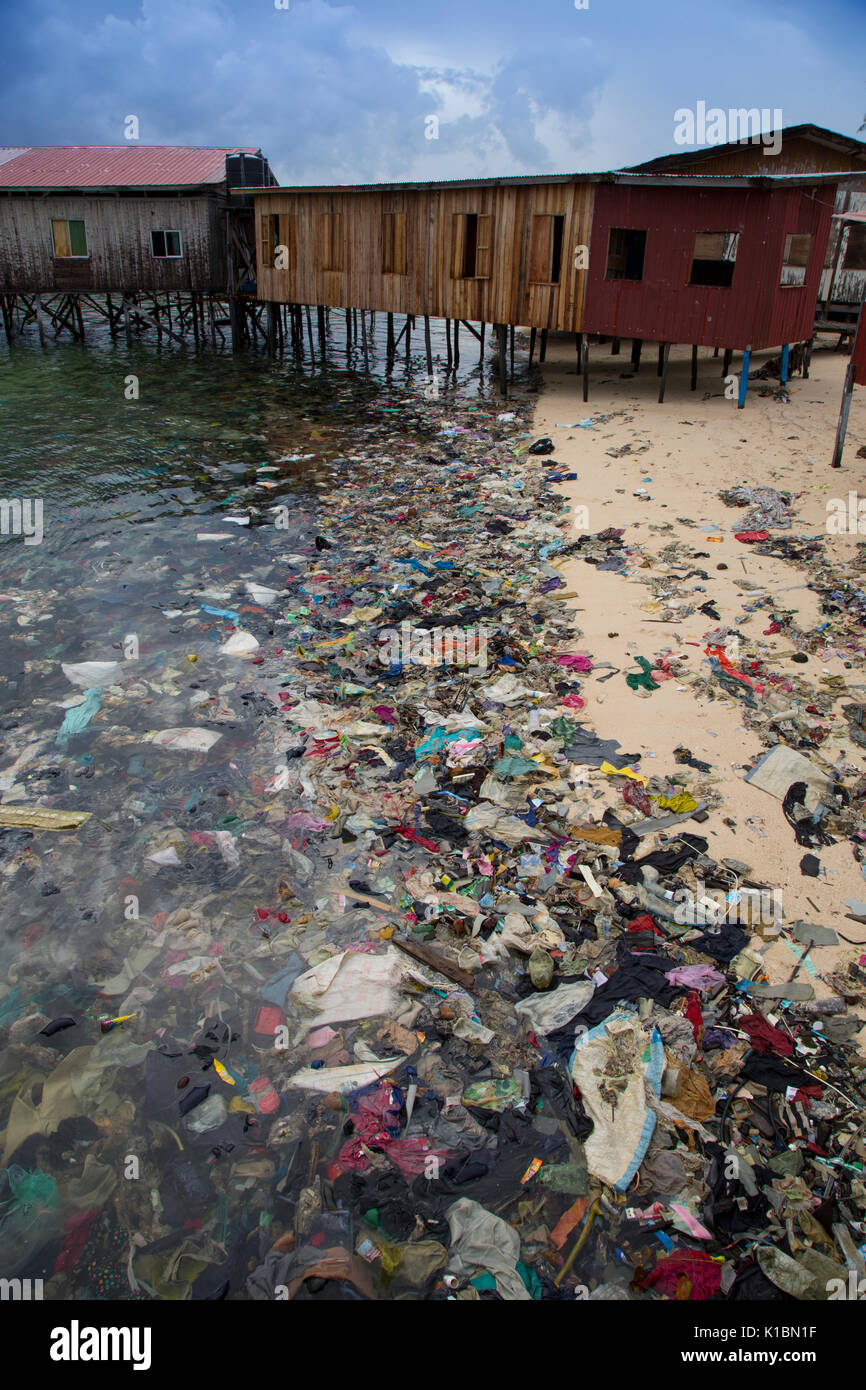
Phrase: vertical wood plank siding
(119,253)
(500,292)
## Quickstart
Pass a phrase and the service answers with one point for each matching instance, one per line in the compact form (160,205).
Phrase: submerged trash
(412,976)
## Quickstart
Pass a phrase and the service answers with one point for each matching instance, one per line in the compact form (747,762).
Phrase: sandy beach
(680,454)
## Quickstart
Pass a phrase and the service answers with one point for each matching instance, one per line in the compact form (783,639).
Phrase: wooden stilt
(636,345)
(310,333)
(511,347)
(456,344)
(427,345)
(726,362)
(348,331)
(532,333)
(661,362)
(715,352)
(408,331)
(614,349)
(664,354)
(694,366)
(389,345)
(320,311)
(502,348)
(364,341)
(481,341)
(272,329)
(448,344)
(542,351)
(842,428)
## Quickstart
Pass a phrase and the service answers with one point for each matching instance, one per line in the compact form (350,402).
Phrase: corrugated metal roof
(126,166)
(819,135)
(725,181)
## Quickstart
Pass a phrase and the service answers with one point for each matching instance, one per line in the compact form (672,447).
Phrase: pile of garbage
(408,985)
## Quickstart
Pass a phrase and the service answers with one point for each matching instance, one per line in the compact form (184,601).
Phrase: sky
(344,93)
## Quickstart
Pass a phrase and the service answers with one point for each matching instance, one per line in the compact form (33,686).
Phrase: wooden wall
(336,242)
(797,156)
(664,306)
(507,294)
(118,243)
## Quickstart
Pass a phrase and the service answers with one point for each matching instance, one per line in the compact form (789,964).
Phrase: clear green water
(127,485)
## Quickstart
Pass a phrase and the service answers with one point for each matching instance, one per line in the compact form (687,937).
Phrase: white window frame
(167,231)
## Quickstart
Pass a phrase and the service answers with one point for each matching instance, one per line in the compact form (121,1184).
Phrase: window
(165,245)
(713,258)
(278,245)
(270,240)
(545,251)
(472,236)
(626,249)
(69,238)
(855,252)
(798,248)
(332,240)
(394,243)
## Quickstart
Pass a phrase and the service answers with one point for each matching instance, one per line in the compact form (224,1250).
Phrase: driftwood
(435,960)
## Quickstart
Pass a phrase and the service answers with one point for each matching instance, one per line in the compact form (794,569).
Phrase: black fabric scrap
(774,1073)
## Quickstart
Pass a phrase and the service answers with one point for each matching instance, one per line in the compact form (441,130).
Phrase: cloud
(324,102)
(339,92)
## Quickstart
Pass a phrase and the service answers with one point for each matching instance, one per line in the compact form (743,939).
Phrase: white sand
(698,446)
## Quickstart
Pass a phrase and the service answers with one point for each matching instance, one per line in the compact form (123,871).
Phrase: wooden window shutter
(709,246)
(77,238)
(387,243)
(266,251)
(60,230)
(484,248)
(287,236)
(399,243)
(541,249)
(332,241)
(458,238)
(325,232)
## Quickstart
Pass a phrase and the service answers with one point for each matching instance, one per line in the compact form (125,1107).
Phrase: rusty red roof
(126,166)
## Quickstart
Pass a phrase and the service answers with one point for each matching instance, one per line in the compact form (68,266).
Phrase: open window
(165,245)
(855,249)
(713,258)
(472,236)
(545,251)
(332,240)
(394,243)
(795,261)
(69,238)
(626,249)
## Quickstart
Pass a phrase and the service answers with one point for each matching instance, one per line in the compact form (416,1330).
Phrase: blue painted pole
(785,351)
(744,377)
